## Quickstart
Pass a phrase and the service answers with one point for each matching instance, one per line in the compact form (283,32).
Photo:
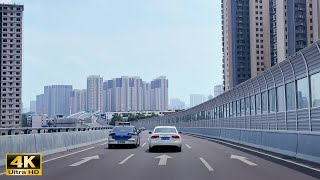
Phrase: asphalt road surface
(200,159)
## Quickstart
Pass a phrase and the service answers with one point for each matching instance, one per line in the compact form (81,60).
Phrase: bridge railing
(32,130)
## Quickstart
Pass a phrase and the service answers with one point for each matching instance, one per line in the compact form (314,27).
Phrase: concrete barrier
(300,145)
(309,147)
(251,138)
(49,143)
(16,144)
(282,143)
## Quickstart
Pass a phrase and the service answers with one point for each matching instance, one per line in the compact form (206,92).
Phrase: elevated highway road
(200,159)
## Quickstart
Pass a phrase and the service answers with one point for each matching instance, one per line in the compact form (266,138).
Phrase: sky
(65,41)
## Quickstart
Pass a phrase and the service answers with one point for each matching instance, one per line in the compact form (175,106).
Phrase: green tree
(115,118)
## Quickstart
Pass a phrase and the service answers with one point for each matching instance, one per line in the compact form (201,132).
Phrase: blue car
(124,135)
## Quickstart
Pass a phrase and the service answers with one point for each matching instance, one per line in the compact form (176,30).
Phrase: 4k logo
(18,164)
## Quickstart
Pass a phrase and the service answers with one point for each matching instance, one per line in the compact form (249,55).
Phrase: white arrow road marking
(126,159)
(206,164)
(163,159)
(84,160)
(243,159)
(143,144)
(188,146)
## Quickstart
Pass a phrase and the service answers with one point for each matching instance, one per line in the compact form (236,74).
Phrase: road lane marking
(265,154)
(206,164)
(243,159)
(126,159)
(84,160)
(143,144)
(59,157)
(163,159)
(103,144)
(67,155)
(188,146)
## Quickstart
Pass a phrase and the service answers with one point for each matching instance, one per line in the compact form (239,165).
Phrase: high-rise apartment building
(33,105)
(159,94)
(259,13)
(295,25)
(83,100)
(260,33)
(132,94)
(124,94)
(11,65)
(40,106)
(75,101)
(94,93)
(56,100)
(235,42)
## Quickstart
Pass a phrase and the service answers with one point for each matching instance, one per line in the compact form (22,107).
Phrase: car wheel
(179,149)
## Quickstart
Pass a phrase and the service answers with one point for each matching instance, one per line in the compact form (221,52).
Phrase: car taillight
(176,137)
(112,134)
(154,137)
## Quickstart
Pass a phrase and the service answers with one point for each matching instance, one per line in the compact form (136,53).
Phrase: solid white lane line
(206,164)
(265,154)
(103,144)
(188,146)
(143,144)
(67,155)
(126,159)
(2,173)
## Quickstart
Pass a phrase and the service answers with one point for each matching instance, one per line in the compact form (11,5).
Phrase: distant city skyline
(127,43)
(116,95)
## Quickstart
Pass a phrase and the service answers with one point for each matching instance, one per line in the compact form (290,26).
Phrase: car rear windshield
(122,129)
(165,130)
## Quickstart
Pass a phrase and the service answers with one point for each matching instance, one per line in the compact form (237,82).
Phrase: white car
(165,136)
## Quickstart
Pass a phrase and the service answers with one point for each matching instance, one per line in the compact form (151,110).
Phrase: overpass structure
(278,110)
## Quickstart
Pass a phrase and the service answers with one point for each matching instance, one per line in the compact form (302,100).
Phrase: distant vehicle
(142,129)
(121,123)
(165,136)
(124,135)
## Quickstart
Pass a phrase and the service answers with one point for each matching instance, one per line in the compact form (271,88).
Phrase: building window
(290,96)
(315,92)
